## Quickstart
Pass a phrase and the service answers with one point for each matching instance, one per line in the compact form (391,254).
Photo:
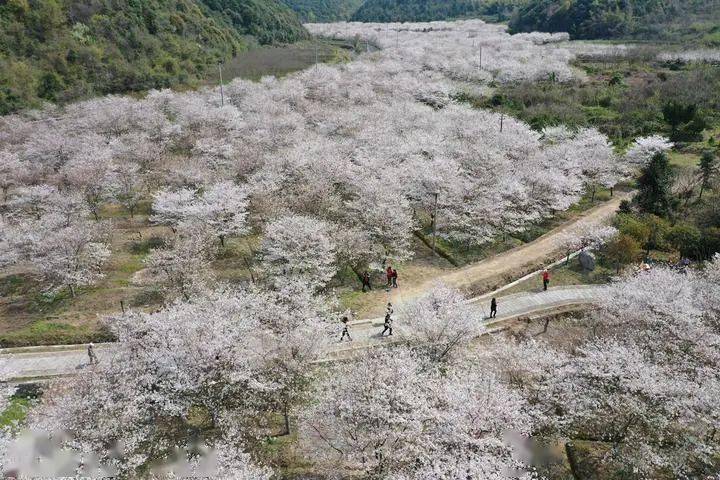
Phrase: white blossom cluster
(463,50)
(706,55)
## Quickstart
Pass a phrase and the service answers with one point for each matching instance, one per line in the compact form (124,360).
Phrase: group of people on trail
(390,273)
(387,324)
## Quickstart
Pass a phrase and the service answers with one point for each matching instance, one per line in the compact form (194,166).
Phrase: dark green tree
(708,169)
(654,186)
(685,120)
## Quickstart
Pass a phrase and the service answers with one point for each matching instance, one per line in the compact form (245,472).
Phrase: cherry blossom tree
(645,148)
(64,249)
(406,419)
(128,188)
(222,210)
(585,235)
(183,268)
(71,256)
(171,207)
(298,249)
(93,177)
(190,361)
(442,321)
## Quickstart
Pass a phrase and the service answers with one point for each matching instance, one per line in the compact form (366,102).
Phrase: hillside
(430,10)
(324,10)
(642,19)
(62,50)
(268,21)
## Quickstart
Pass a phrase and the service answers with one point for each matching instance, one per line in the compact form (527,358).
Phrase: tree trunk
(357,273)
(249,268)
(286,418)
(547,322)
(222,240)
(72,290)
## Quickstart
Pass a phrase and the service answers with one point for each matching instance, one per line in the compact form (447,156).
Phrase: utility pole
(317,57)
(222,93)
(367,45)
(502,118)
(397,38)
(480,59)
(434,222)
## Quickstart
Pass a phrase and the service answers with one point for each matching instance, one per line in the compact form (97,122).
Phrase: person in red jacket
(546,279)
(389,275)
(394,278)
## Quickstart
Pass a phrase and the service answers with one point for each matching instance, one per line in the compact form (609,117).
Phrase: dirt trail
(491,273)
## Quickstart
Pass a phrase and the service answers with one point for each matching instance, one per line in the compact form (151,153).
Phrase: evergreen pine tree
(655,186)
(708,168)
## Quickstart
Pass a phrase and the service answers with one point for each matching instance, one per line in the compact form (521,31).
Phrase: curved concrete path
(33,363)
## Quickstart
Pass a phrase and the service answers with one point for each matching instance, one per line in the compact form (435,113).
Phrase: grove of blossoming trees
(334,167)
(362,147)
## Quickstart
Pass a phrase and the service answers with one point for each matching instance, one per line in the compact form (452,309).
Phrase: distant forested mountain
(267,20)
(430,10)
(60,50)
(666,19)
(324,10)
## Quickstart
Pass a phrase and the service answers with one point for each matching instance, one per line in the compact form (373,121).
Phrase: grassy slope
(62,50)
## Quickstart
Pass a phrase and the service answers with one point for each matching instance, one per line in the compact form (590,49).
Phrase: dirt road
(501,269)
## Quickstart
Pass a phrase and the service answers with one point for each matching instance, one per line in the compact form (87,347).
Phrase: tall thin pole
(222,93)
(434,222)
(397,38)
(316,57)
(480,58)
(502,118)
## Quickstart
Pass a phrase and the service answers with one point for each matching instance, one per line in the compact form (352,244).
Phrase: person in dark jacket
(346,330)
(366,281)
(387,325)
(493,308)
(394,278)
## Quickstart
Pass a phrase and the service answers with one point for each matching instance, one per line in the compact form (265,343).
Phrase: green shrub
(53,333)
(144,246)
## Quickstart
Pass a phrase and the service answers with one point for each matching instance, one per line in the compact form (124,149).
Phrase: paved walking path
(37,363)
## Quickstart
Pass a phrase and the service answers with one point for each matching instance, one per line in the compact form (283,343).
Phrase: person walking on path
(388,273)
(493,308)
(546,279)
(389,309)
(387,325)
(366,281)
(394,278)
(345,330)
(91,354)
